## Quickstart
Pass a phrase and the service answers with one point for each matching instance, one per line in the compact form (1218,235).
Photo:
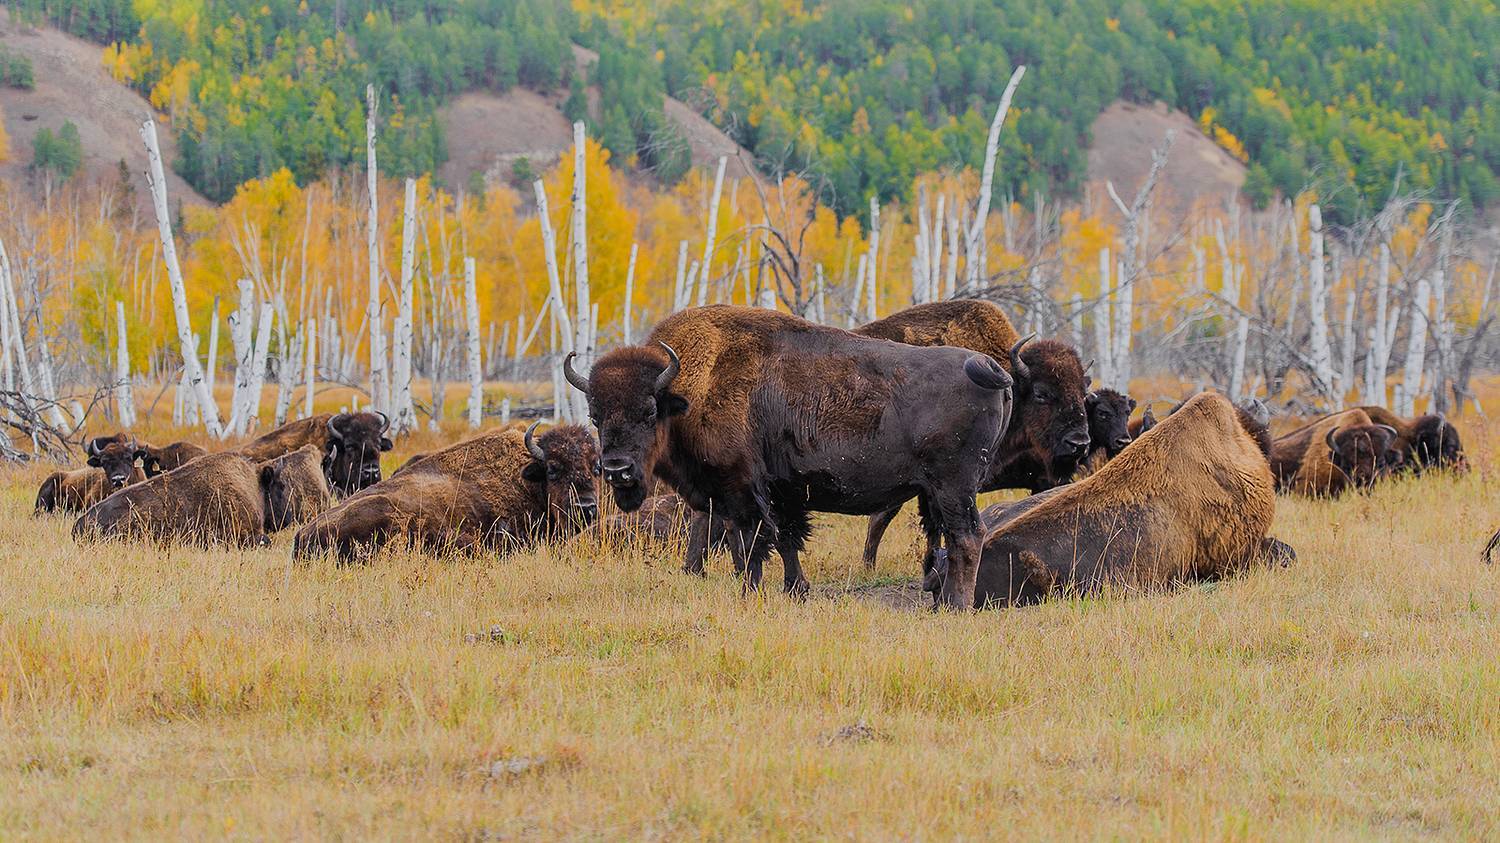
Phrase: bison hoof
(798,588)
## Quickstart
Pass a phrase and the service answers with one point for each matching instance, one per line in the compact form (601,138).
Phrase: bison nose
(1075,443)
(1121,443)
(618,471)
(117,479)
(589,509)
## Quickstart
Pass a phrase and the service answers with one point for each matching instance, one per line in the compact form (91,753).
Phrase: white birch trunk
(1124,320)
(188,346)
(310,374)
(871,271)
(379,377)
(291,366)
(213,350)
(1379,356)
(935,252)
(859,289)
(241,332)
(1237,364)
(562,404)
(258,365)
(1103,342)
(950,279)
(476,366)
(1320,354)
(1416,348)
(403,411)
(123,397)
(584,343)
(921,259)
(679,291)
(630,293)
(713,228)
(976,246)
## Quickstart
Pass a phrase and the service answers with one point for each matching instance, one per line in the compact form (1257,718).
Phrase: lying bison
(156,460)
(1337,452)
(112,466)
(1048,436)
(351,444)
(1109,426)
(495,491)
(219,499)
(765,418)
(1191,499)
(1429,441)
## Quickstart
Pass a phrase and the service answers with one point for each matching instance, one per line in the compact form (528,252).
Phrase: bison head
(1363,452)
(351,459)
(630,401)
(1109,419)
(116,455)
(565,463)
(1050,413)
(295,488)
(1435,444)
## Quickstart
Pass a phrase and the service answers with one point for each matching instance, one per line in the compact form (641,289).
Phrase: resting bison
(495,491)
(218,499)
(766,417)
(1429,441)
(112,461)
(1109,426)
(156,460)
(1191,499)
(1332,454)
(351,444)
(1048,436)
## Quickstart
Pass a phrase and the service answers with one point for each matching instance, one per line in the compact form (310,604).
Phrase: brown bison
(1048,436)
(218,499)
(1191,499)
(112,466)
(351,444)
(1429,441)
(766,417)
(1337,452)
(156,460)
(498,490)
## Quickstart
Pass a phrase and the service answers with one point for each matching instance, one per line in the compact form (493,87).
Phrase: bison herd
(732,425)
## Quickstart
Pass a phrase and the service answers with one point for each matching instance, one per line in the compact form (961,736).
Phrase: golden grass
(225,694)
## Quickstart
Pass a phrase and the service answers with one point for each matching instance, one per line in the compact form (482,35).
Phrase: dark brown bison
(1048,436)
(1191,499)
(1429,441)
(496,491)
(218,499)
(765,418)
(351,444)
(156,460)
(112,465)
(1337,452)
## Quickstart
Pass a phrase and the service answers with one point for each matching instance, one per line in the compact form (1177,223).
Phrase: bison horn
(1329,439)
(578,381)
(668,374)
(385,421)
(1389,429)
(333,429)
(531,446)
(1088,365)
(1020,370)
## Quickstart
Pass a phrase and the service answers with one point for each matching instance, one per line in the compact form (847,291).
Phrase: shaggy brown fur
(1191,499)
(1303,463)
(168,457)
(488,492)
(1429,441)
(351,460)
(218,499)
(112,461)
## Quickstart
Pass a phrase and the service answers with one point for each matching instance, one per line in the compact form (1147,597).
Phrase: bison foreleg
(960,524)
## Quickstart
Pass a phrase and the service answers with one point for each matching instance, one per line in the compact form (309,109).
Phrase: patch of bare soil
(1124,135)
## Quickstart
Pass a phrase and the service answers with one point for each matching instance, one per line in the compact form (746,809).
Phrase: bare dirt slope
(1124,135)
(72,84)
(487,133)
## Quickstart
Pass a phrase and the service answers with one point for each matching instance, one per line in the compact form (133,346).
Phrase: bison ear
(671,404)
(386,444)
(93,461)
(534,472)
(1132,404)
(267,475)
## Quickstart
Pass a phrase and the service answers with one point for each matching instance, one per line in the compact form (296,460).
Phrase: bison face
(116,455)
(1051,404)
(1361,452)
(352,456)
(630,402)
(1435,444)
(1109,419)
(565,463)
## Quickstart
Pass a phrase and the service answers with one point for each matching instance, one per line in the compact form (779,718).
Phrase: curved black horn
(1329,439)
(531,446)
(668,374)
(1392,430)
(92,447)
(333,429)
(578,381)
(385,421)
(1020,371)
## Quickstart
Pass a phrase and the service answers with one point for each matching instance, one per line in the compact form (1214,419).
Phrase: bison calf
(495,491)
(1193,498)
(112,461)
(219,499)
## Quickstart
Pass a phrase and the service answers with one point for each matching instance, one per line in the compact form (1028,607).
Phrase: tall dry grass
(227,694)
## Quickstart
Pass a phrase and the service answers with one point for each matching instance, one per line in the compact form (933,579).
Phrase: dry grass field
(190,694)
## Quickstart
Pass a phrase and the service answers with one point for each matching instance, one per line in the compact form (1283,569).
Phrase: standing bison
(1191,499)
(495,491)
(1048,436)
(761,418)
(1337,452)
(112,466)
(351,444)
(219,499)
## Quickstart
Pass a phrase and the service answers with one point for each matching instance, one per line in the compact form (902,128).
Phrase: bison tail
(986,373)
(47,496)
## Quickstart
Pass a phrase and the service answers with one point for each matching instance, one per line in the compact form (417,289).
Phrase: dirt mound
(1124,135)
(71,84)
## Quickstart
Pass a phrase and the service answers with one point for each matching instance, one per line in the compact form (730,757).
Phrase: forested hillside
(860,95)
